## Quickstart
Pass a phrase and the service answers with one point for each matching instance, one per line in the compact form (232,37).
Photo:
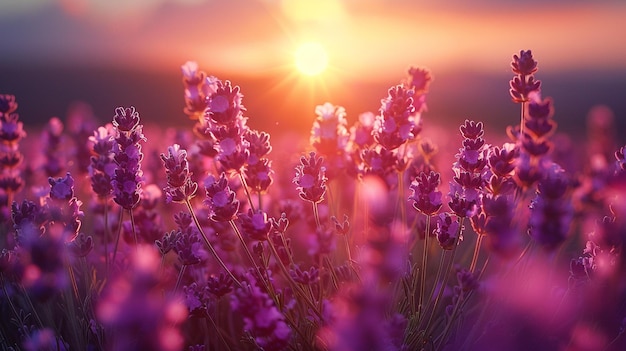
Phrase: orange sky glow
(366,39)
(370,44)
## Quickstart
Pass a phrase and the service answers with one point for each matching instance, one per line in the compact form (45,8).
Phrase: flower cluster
(128,177)
(524,83)
(102,166)
(310,178)
(247,268)
(11,132)
(180,187)
(468,169)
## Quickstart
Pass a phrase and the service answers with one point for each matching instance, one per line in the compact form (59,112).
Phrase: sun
(311,59)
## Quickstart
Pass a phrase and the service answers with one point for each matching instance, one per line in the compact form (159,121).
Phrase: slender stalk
(6,293)
(119,233)
(316,214)
(32,307)
(132,225)
(479,240)
(245,188)
(294,285)
(420,305)
(105,239)
(218,330)
(350,259)
(208,244)
(443,282)
(521,123)
(251,259)
(333,276)
(180,277)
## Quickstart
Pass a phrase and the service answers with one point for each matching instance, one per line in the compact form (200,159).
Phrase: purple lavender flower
(180,187)
(426,198)
(168,242)
(220,199)
(187,246)
(621,159)
(551,211)
(11,132)
(134,306)
(197,88)
(128,176)
(496,221)
(329,134)
(419,80)
(102,166)
(446,230)
(53,165)
(381,162)
(310,178)
(468,170)
(305,277)
(224,105)
(256,225)
(261,318)
(258,170)
(524,83)
(395,125)
(219,285)
(62,188)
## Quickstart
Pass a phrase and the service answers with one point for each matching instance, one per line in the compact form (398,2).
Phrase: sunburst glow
(311,59)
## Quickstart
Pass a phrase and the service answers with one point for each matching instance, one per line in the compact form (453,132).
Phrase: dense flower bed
(196,240)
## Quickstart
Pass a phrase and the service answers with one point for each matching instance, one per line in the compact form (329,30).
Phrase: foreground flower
(134,307)
(261,318)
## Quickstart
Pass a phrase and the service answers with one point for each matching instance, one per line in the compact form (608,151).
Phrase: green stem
(316,214)
(208,244)
(218,330)
(132,225)
(442,288)
(420,305)
(119,233)
(294,285)
(252,261)
(180,277)
(245,188)
(479,241)
(105,239)
(4,288)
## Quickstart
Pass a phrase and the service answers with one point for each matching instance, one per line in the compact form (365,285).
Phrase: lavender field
(387,233)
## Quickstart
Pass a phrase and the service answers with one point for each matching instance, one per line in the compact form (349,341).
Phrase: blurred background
(111,53)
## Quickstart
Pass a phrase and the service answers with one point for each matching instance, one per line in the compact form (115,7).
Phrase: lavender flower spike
(128,156)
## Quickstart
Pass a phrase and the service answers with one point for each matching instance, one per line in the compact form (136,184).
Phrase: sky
(370,44)
(365,38)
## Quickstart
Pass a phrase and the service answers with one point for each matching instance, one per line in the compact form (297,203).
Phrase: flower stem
(479,241)
(420,306)
(251,259)
(119,233)
(132,225)
(245,188)
(316,214)
(445,276)
(180,277)
(208,244)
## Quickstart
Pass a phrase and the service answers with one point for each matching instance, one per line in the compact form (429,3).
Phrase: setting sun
(311,59)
